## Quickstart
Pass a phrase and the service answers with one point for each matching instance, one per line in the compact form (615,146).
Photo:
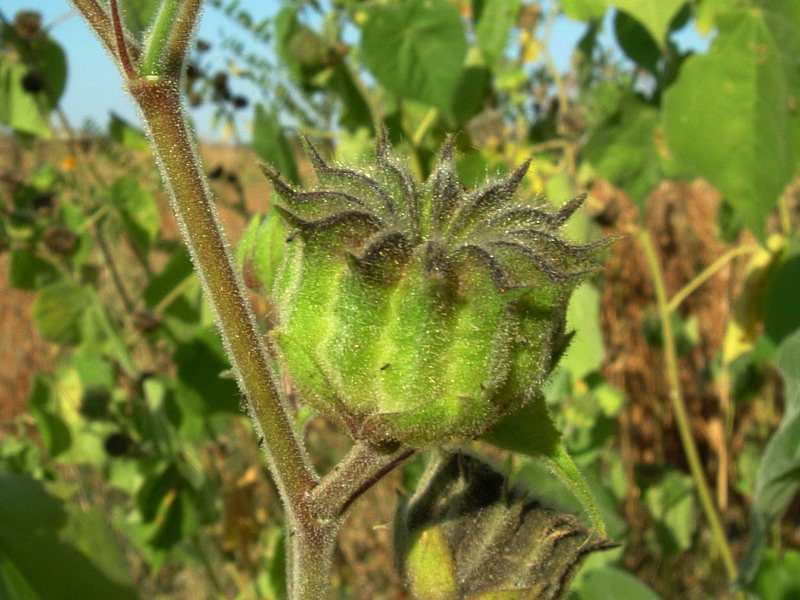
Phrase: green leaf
(51,61)
(493,27)
(126,134)
(167,507)
(271,145)
(55,548)
(779,576)
(138,210)
(730,112)
(636,41)
(626,149)
(670,502)
(586,350)
(416,49)
(531,431)
(355,113)
(778,478)
(613,583)
(781,316)
(200,364)
(177,272)
(58,312)
(56,435)
(473,89)
(655,16)
(42,58)
(706,14)
(584,10)
(19,109)
(29,272)
(138,15)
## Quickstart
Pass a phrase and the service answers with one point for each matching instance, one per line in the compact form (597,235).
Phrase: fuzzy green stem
(193,204)
(357,472)
(310,551)
(159,37)
(679,406)
(172,33)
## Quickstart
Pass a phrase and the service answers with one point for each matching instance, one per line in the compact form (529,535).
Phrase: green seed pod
(419,313)
(465,534)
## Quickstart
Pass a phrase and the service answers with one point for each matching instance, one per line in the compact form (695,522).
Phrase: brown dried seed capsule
(43,201)
(146,321)
(192,72)
(28,23)
(60,240)
(195,99)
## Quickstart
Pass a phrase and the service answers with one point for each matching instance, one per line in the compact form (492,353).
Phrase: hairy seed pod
(466,534)
(419,313)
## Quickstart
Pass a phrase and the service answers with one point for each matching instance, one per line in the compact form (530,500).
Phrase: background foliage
(131,470)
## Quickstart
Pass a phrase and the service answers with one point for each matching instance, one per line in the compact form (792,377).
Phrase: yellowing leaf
(743,329)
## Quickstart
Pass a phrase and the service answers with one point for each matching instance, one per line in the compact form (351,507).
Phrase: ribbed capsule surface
(467,534)
(419,313)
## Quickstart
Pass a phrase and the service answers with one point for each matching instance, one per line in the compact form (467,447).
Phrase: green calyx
(419,313)
(466,533)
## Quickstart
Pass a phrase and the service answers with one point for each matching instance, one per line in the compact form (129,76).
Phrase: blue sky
(94,87)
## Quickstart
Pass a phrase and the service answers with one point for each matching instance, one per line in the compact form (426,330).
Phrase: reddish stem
(122,45)
(364,487)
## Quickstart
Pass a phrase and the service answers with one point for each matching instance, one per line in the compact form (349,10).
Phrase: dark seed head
(192,72)
(28,23)
(118,444)
(43,201)
(195,99)
(60,240)
(33,82)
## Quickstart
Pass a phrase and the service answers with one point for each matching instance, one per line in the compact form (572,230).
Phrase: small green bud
(429,565)
(465,534)
(419,313)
